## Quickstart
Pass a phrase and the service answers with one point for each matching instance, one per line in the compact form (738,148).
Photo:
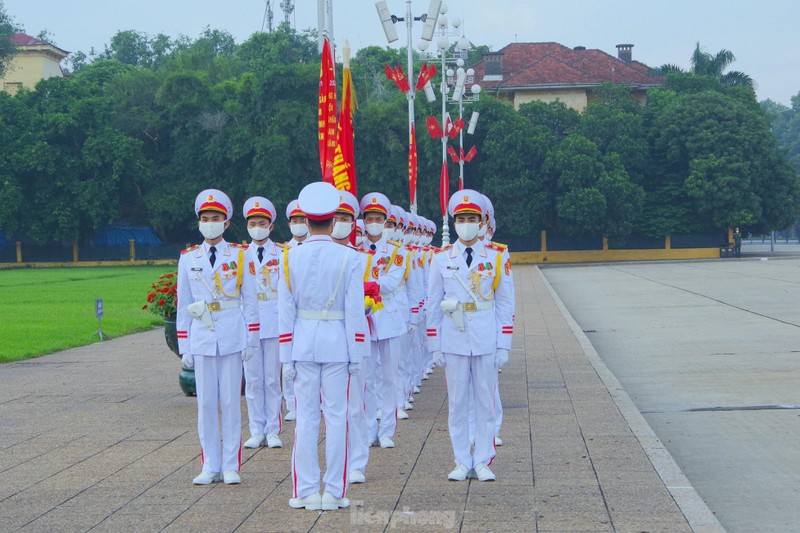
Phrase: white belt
(264,296)
(320,315)
(477,306)
(224,304)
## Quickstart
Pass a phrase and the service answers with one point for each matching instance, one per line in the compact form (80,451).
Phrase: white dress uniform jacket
(267,275)
(304,291)
(235,326)
(485,329)
(388,270)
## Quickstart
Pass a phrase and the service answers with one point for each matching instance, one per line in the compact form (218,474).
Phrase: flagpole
(410,94)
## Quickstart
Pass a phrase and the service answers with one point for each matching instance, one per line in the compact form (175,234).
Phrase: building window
(12,87)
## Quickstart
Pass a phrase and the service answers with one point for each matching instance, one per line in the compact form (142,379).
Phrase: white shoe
(312,502)
(331,502)
(483,473)
(402,415)
(375,442)
(255,441)
(274,441)
(459,474)
(378,414)
(231,478)
(428,371)
(290,415)
(386,442)
(472,441)
(425,377)
(207,478)
(498,441)
(357,476)
(410,399)
(416,389)
(408,406)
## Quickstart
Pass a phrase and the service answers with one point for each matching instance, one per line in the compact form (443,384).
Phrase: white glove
(289,372)
(500,358)
(438,358)
(412,328)
(248,353)
(354,368)
(187,360)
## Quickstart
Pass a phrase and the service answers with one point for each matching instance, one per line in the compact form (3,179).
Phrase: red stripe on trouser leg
(494,445)
(202,458)
(240,454)
(346,435)
(294,458)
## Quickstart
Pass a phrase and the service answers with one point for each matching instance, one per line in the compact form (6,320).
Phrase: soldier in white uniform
(262,367)
(358,442)
(322,341)
(217,320)
(470,325)
(389,323)
(299,231)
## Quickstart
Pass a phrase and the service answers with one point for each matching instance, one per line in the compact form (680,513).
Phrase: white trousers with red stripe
(458,371)
(357,440)
(331,381)
(382,377)
(262,374)
(219,386)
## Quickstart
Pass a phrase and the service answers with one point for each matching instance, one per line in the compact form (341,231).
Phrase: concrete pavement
(708,351)
(100,438)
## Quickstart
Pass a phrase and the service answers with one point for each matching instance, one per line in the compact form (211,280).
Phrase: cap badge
(466,199)
(210,197)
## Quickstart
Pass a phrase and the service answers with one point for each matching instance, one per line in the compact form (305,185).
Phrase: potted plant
(162,300)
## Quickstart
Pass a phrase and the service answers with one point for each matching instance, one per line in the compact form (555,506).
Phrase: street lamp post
(388,21)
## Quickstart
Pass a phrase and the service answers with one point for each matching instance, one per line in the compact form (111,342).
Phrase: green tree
(7,47)
(713,65)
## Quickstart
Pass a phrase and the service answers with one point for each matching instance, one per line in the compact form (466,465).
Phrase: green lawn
(50,309)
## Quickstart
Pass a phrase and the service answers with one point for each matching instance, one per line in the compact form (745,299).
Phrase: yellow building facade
(34,61)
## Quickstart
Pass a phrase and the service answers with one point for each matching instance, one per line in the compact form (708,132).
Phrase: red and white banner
(326,113)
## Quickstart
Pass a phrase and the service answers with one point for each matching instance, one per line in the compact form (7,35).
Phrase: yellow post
(19,251)
(605,243)
(75,252)
(544,240)
(132,249)
(730,236)
(668,242)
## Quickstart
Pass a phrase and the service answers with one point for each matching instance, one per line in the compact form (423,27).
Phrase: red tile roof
(546,64)
(26,40)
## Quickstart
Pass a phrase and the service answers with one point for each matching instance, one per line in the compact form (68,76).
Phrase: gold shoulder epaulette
(395,243)
(281,245)
(237,245)
(440,250)
(190,249)
(497,246)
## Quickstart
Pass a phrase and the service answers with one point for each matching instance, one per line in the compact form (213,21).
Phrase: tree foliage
(138,130)
(7,48)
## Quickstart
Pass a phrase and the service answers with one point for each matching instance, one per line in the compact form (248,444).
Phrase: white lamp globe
(476,89)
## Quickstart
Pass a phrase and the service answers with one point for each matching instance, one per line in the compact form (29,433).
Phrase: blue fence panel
(638,242)
(700,240)
(557,243)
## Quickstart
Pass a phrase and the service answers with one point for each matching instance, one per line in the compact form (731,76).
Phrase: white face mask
(388,233)
(467,230)
(374,229)
(342,230)
(408,238)
(398,235)
(482,232)
(298,230)
(211,230)
(359,240)
(258,233)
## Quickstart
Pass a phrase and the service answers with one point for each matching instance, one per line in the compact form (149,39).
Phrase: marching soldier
(262,367)
(217,321)
(470,325)
(322,341)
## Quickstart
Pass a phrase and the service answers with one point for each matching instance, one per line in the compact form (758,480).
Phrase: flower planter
(186,377)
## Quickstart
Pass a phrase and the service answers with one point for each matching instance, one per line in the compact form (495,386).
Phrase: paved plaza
(709,352)
(100,438)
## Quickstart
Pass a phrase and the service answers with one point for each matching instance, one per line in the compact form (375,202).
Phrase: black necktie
(469,256)
(260,254)
(213,257)
(372,247)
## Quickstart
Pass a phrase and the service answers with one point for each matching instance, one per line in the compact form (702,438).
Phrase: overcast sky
(762,34)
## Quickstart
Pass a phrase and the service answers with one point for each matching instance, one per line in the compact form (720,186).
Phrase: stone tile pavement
(100,438)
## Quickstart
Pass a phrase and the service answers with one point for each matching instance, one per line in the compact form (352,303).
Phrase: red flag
(344,162)
(434,129)
(412,165)
(390,73)
(444,189)
(326,113)
(402,81)
(425,74)
(452,153)
(471,154)
(458,125)
(448,126)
